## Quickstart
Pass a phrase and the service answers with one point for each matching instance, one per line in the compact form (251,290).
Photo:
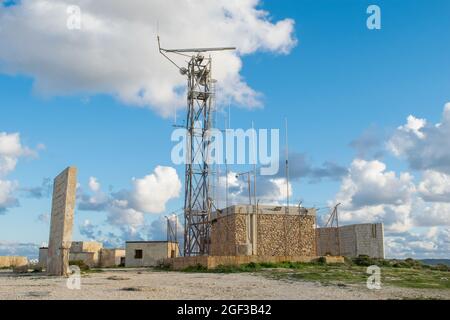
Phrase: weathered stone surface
(352,241)
(63,205)
(111,257)
(13,261)
(270,232)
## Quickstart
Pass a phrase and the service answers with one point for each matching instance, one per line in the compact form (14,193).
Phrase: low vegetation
(407,273)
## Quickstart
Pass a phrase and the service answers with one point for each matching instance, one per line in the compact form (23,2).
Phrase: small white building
(149,253)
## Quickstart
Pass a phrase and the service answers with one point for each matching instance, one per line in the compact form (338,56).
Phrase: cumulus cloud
(435,186)
(429,243)
(127,208)
(371,193)
(11,150)
(368,183)
(269,190)
(94,185)
(7,199)
(425,146)
(115,51)
(151,193)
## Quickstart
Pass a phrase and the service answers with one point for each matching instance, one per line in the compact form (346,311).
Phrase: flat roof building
(149,253)
(245,230)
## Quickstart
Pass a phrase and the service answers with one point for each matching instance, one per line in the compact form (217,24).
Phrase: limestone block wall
(91,259)
(111,257)
(237,231)
(288,235)
(13,261)
(85,246)
(370,240)
(354,240)
(226,232)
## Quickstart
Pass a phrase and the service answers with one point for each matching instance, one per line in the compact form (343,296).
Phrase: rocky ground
(150,284)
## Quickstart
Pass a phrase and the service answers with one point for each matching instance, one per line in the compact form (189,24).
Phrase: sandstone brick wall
(288,235)
(13,261)
(277,234)
(223,236)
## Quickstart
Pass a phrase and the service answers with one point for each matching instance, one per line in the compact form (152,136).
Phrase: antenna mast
(198,200)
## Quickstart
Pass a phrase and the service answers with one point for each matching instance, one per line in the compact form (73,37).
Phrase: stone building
(112,258)
(264,231)
(91,253)
(352,240)
(149,253)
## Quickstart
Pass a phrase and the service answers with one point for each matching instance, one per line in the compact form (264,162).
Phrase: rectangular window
(374,231)
(138,254)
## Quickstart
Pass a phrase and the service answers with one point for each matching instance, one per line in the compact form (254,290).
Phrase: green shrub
(196,268)
(364,261)
(441,267)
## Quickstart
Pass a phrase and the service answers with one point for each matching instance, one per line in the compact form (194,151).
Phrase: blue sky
(340,80)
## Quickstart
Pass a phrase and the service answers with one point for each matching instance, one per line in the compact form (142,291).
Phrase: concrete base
(211,262)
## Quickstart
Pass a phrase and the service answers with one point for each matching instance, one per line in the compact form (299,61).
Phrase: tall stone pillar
(63,205)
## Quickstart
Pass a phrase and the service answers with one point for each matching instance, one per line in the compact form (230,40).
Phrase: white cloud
(431,214)
(428,243)
(115,52)
(268,190)
(7,199)
(11,149)
(126,209)
(371,193)
(424,146)
(435,186)
(151,193)
(368,183)
(93,184)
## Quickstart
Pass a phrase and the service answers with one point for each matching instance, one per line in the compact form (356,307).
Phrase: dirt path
(147,284)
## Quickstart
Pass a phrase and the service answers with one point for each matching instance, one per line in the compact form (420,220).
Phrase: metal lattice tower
(198,201)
